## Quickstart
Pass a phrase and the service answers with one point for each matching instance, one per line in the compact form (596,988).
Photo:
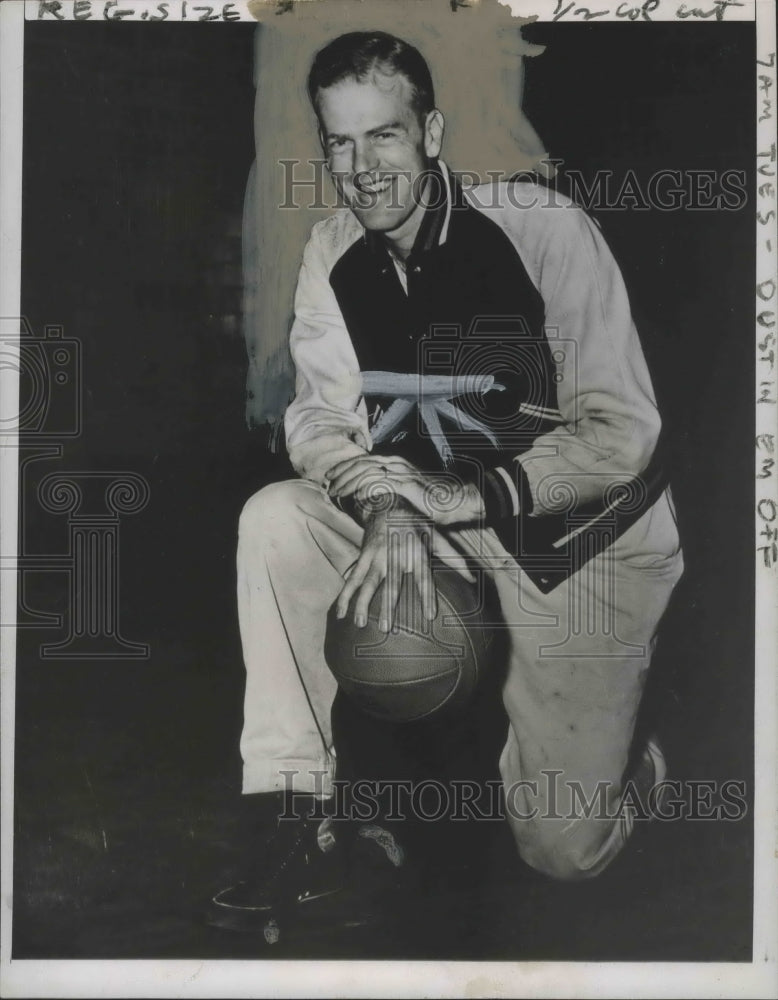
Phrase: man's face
(377,149)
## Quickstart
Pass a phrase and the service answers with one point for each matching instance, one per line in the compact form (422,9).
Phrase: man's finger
(365,473)
(354,578)
(349,570)
(393,582)
(343,464)
(406,489)
(357,468)
(401,465)
(365,594)
(355,479)
(422,574)
(340,467)
(391,462)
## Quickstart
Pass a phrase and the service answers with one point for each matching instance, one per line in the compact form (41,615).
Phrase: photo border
(217,978)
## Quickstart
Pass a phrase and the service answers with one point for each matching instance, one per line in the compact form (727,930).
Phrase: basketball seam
(388,683)
(432,677)
(422,635)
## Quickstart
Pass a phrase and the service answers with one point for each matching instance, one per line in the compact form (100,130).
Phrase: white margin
(195,978)
(11,102)
(765,946)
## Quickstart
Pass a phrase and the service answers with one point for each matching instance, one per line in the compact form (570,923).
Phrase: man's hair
(357,54)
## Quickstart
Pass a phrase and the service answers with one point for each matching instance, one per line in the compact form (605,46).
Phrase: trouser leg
(293,549)
(577,665)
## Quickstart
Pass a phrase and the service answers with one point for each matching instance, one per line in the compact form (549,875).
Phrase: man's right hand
(397,541)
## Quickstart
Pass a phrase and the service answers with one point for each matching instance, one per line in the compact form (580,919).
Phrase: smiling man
(379,142)
(470,355)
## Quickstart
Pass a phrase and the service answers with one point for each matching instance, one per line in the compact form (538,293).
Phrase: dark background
(137,143)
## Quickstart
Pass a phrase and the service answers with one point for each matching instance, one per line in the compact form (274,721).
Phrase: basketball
(419,668)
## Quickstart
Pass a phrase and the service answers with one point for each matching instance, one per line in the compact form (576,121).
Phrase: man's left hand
(442,497)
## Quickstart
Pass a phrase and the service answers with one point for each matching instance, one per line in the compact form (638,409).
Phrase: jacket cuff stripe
(506,496)
(513,494)
(526,503)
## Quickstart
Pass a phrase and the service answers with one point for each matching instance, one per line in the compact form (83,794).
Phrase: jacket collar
(433,231)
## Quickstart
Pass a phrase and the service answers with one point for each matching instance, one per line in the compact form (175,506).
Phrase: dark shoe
(302,864)
(313,877)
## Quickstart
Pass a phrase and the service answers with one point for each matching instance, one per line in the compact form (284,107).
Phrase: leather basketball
(420,668)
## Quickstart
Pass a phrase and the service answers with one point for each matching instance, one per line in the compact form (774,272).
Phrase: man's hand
(439,497)
(397,541)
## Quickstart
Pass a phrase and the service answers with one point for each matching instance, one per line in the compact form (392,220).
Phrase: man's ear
(434,126)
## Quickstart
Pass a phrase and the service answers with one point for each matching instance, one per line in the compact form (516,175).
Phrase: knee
(272,508)
(561,865)
(569,853)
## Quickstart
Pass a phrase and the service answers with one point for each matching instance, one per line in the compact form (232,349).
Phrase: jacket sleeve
(609,420)
(326,421)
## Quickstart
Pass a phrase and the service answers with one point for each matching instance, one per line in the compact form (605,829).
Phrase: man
(470,355)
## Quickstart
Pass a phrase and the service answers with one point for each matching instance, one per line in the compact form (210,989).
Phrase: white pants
(578,659)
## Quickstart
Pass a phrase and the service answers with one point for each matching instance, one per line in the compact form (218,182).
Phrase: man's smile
(365,183)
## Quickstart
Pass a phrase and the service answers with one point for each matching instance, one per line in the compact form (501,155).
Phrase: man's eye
(385,135)
(337,143)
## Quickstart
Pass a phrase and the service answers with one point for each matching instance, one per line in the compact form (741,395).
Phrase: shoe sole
(300,920)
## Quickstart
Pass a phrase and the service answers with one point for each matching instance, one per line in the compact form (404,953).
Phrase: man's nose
(365,159)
